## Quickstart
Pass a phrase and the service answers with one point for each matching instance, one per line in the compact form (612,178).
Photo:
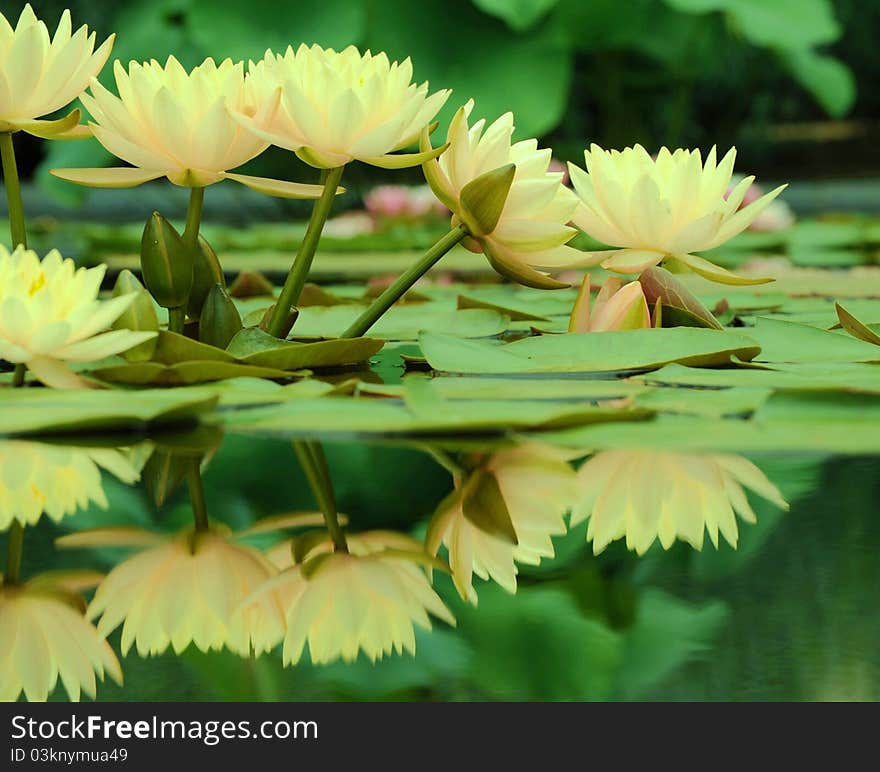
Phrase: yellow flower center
(37,284)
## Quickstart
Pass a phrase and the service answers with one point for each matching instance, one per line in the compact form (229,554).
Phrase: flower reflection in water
(643,495)
(503,512)
(38,477)
(187,588)
(368,599)
(44,637)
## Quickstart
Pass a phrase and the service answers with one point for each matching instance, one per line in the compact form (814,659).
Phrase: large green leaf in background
(455,46)
(792,28)
(244,30)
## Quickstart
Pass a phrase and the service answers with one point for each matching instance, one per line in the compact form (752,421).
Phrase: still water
(615,588)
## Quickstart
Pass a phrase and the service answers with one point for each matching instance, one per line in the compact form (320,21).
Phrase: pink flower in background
(776,217)
(403,201)
(559,166)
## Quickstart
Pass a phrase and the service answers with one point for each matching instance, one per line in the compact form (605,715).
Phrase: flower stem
(302,263)
(193,217)
(18,375)
(314,464)
(177,319)
(197,494)
(13,191)
(14,550)
(406,280)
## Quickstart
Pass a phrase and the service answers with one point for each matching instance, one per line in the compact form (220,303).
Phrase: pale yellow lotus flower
(670,207)
(44,637)
(366,600)
(37,477)
(167,122)
(39,75)
(618,306)
(50,314)
(643,495)
(538,488)
(187,589)
(340,106)
(531,229)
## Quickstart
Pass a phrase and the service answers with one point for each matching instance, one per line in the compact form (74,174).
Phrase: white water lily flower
(37,477)
(44,637)
(531,229)
(643,495)
(538,488)
(368,599)
(340,106)
(50,314)
(39,75)
(167,122)
(668,207)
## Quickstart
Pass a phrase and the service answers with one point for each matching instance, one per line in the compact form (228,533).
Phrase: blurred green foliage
(656,71)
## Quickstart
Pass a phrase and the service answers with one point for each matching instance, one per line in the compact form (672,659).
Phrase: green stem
(197,494)
(302,263)
(314,465)
(445,460)
(177,319)
(193,217)
(393,293)
(14,550)
(18,375)
(13,191)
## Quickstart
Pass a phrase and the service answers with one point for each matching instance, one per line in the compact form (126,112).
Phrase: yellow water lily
(39,74)
(50,314)
(525,229)
(664,208)
(538,488)
(187,588)
(167,122)
(643,495)
(368,599)
(618,306)
(340,106)
(44,637)
(37,477)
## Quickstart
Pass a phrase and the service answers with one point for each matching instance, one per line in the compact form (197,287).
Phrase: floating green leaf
(33,411)
(593,352)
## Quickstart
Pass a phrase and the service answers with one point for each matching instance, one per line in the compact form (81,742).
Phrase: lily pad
(253,346)
(782,341)
(38,411)
(798,377)
(185,373)
(589,352)
(402,322)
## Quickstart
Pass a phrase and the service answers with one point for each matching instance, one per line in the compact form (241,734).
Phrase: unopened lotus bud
(166,263)
(681,308)
(483,199)
(139,316)
(220,320)
(292,315)
(206,273)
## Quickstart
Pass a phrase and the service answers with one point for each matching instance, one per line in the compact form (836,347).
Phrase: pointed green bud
(139,316)
(292,315)
(220,320)
(162,474)
(681,308)
(166,264)
(206,273)
(483,504)
(483,199)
